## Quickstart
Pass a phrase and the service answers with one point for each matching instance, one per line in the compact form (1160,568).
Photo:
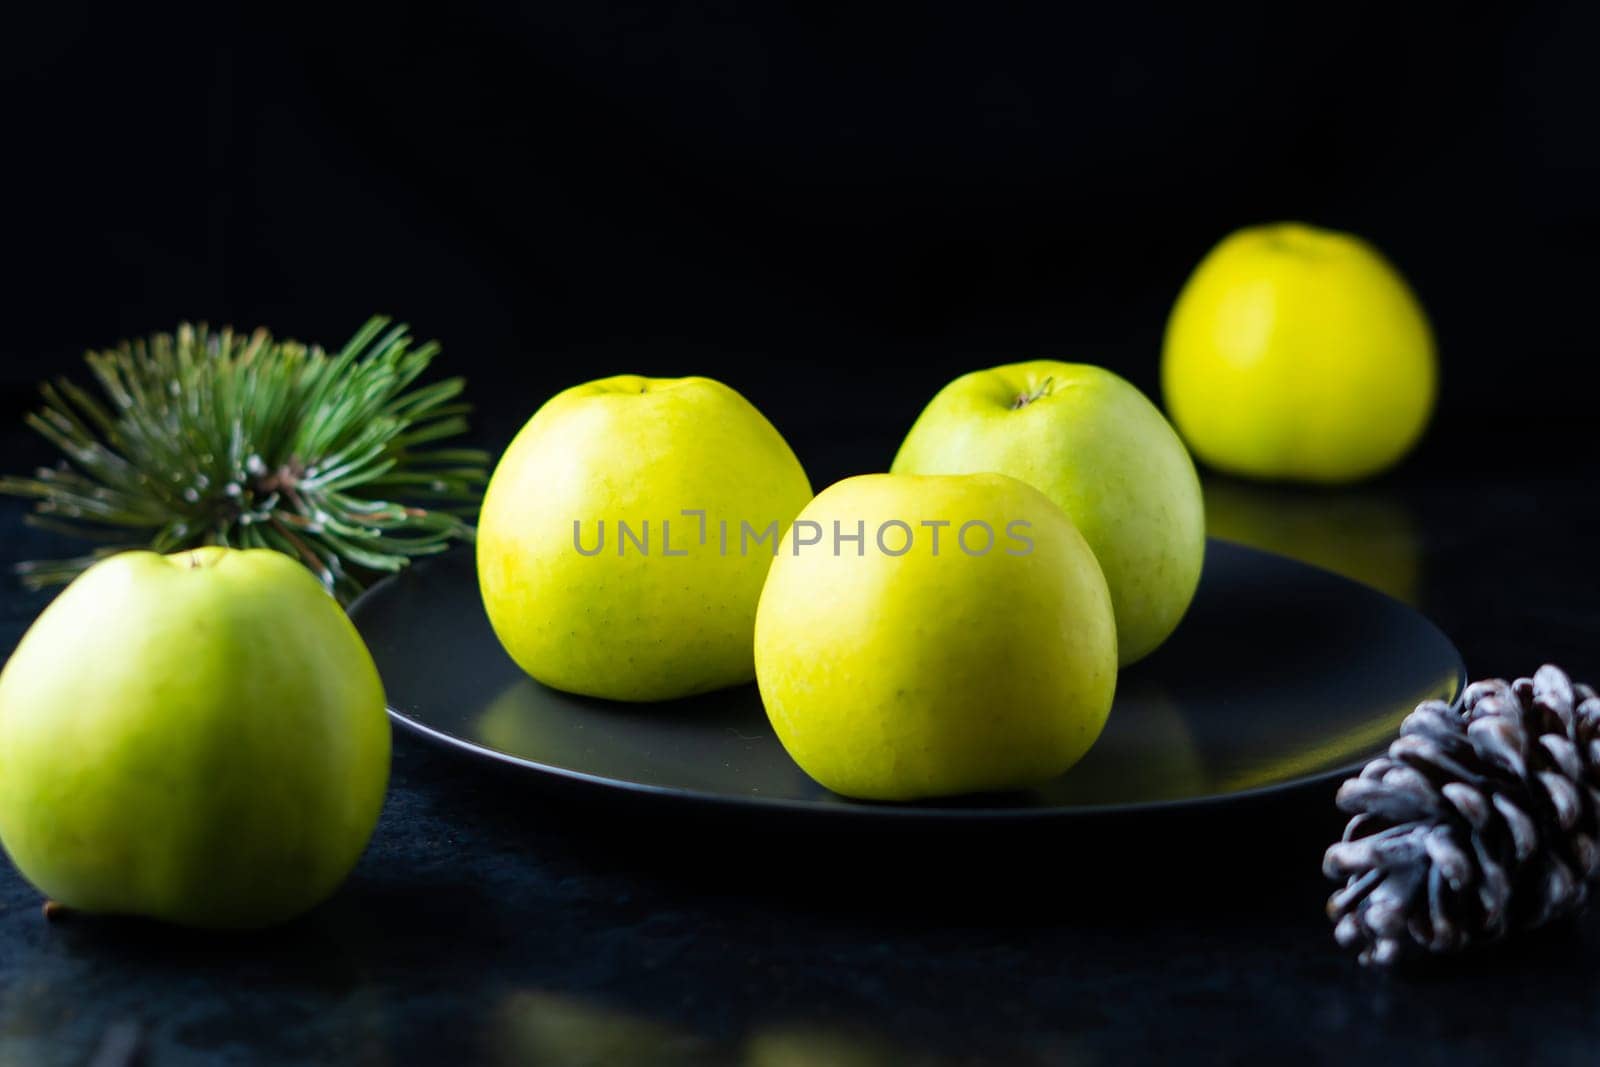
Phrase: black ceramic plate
(1281,675)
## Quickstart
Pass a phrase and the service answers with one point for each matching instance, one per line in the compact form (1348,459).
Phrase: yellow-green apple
(198,738)
(1298,353)
(1096,446)
(931,635)
(626,532)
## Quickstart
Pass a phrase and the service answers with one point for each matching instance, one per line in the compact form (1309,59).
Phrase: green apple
(1093,444)
(198,738)
(964,643)
(626,532)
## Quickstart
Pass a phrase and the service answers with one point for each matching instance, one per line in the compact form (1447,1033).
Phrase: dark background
(836,211)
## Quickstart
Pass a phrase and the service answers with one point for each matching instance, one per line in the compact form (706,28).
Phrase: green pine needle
(213,438)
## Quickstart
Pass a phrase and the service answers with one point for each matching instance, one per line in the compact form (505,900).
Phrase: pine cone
(1477,823)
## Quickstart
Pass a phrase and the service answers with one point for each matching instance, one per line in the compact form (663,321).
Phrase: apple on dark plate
(1281,676)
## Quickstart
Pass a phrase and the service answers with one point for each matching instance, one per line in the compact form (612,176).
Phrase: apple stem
(54,910)
(1043,389)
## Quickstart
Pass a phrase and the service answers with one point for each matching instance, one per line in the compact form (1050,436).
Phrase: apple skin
(898,677)
(198,738)
(1104,454)
(1295,353)
(634,627)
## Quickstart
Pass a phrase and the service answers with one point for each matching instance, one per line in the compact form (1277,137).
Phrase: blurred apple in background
(1298,353)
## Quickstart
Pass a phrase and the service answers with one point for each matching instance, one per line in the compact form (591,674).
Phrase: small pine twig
(217,438)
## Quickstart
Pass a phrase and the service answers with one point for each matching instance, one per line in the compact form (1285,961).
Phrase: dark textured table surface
(493,919)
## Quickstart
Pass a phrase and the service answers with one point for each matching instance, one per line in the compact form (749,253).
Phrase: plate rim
(933,810)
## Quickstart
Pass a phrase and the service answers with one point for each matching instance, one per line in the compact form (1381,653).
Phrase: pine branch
(216,438)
